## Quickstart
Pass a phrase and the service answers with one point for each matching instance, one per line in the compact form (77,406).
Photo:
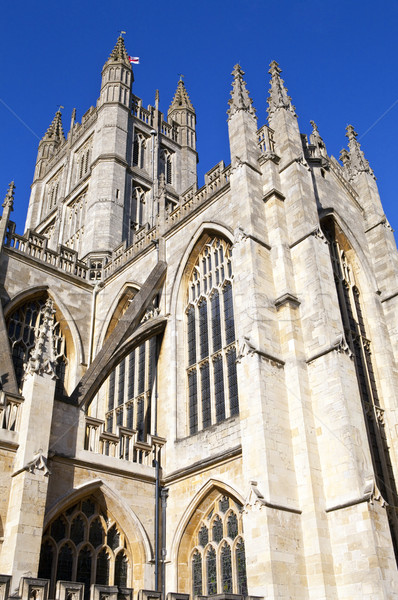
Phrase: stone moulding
(340,345)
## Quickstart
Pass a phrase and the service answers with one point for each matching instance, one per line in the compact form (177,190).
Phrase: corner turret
(49,144)
(117,76)
(183,113)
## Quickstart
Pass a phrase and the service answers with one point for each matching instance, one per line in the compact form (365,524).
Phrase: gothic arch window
(218,564)
(23,328)
(166,165)
(211,346)
(137,209)
(356,336)
(84,544)
(139,150)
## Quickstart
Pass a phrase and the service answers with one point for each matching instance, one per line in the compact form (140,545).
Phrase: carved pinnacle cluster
(9,199)
(42,359)
(278,96)
(354,161)
(317,141)
(181,98)
(55,133)
(240,99)
(119,53)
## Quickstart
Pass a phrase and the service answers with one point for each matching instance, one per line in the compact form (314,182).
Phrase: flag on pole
(135,60)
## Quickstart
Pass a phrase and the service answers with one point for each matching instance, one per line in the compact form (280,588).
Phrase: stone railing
(143,238)
(169,131)
(10,411)
(123,445)
(35,245)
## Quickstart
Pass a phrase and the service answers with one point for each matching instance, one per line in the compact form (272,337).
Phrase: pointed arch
(137,539)
(207,505)
(202,500)
(126,292)
(192,249)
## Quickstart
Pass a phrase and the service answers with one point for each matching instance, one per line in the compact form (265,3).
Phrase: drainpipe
(164,494)
(157,465)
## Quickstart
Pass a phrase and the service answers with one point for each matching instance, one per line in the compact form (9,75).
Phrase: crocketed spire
(240,99)
(55,133)
(181,98)
(358,162)
(9,199)
(119,53)
(278,96)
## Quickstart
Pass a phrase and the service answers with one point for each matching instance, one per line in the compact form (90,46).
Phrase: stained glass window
(232,526)
(206,401)
(211,572)
(121,570)
(85,565)
(203,536)
(102,577)
(226,569)
(77,530)
(193,404)
(241,568)
(211,335)
(217,530)
(46,560)
(219,388)
(196,574)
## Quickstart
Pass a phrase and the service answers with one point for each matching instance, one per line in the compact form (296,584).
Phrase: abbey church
(199,386)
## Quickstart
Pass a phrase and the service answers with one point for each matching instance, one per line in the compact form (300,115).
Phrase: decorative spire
(42,357)
(181,98)
(317,141)
(9,199)
(157,99)
(358,162)
(240,99)
(55,133)
(119,53)
(278,96)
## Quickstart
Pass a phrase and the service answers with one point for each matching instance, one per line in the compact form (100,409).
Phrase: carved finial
(119,52)
(55,132)
(240,99)
(278,96)
(73,118)
(42,358)
(181,98)
(354,161)
(317,141)
(9,199)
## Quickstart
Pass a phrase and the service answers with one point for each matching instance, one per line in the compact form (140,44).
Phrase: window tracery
(75,213)
(139,150)
(92,549)
(23,325)
(211,346)
(218,564)
(166,165)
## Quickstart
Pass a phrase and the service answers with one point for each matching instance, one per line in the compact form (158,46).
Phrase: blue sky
(339,62)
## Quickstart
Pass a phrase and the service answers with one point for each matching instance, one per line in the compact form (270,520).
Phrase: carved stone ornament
(240,235)
(42,359)
(38,463)
(341,345)
(278,96)
(254,497)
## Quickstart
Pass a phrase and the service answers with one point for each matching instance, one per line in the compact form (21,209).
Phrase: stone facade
(198,386)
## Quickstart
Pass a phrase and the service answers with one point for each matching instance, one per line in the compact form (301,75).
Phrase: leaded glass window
(196,574)
(84,543)
(222,556)
(356,337)
(211,571)
(23,325)
(129,390)
(226,569)
(211,346)
(217,530)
